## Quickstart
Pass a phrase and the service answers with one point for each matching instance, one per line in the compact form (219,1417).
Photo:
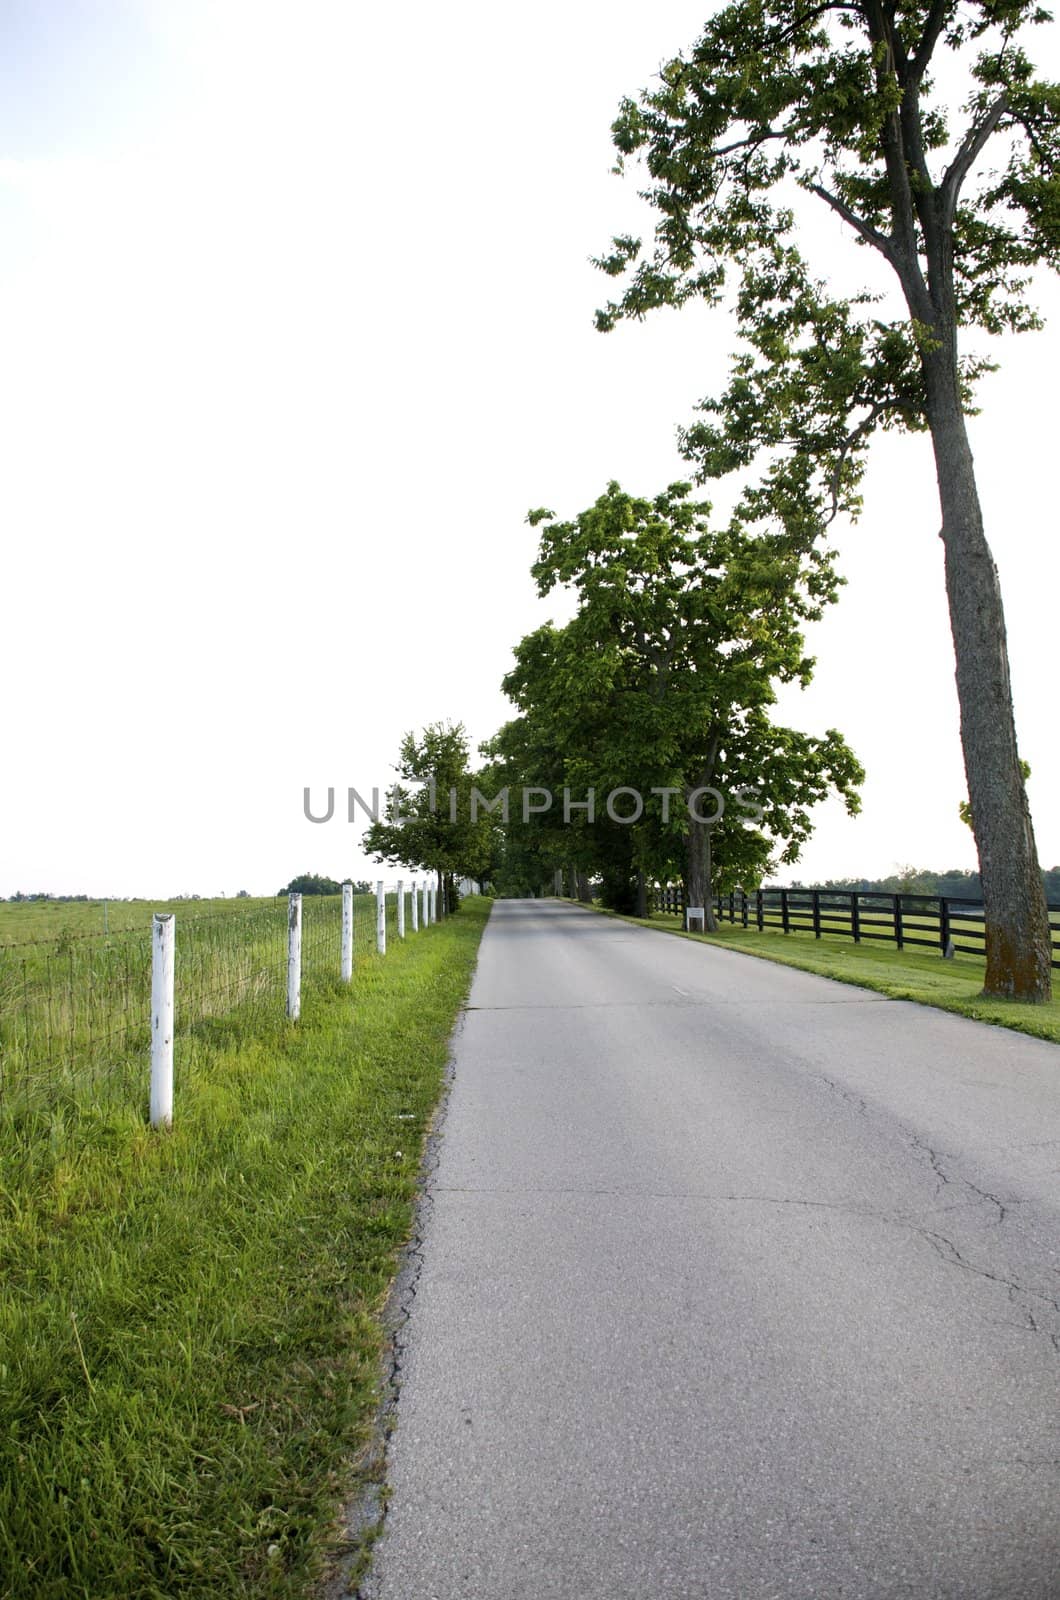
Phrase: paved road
(735,1283)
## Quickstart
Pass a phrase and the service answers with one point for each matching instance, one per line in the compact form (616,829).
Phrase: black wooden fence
(935,922)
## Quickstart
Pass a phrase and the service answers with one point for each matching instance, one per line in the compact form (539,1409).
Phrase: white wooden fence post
(163,927)
(294,956)
(401,908)
(443,909)
(415,909)
(347,931)
(432,906)
(423,903)
(380,918)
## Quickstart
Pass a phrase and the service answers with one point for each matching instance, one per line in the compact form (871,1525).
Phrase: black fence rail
(945,923)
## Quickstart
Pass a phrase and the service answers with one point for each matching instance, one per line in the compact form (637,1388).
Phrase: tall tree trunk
(584,893)
(642,893)
(1018,938)
(697,872)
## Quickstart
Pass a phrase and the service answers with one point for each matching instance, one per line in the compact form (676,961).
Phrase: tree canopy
(661,685)
(434,827)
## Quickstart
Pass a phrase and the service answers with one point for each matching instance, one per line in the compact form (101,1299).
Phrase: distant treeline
(55,899)
(99,899)
(308,883)
(956,884)
(313,883)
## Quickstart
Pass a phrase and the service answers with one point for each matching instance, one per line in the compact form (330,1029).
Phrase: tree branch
(865,426)
(812,16)
(879,241)
(923,188)
(905,258)
(929,39)
(968,154)
(752,141)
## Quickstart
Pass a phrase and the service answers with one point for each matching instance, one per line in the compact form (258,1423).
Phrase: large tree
(845,102)
(664,679)
(526,761)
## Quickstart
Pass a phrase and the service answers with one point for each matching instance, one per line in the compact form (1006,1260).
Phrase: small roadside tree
(432,828)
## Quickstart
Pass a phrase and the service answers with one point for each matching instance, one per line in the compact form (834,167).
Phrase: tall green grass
(190,1322)
(75,1010)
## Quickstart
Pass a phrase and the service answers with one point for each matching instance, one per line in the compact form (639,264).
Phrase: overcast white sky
(296,323)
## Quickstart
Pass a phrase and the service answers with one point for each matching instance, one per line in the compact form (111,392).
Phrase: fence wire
(74,1015)
(75,1011)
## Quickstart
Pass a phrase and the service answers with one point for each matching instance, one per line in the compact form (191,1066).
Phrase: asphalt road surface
(733,1283)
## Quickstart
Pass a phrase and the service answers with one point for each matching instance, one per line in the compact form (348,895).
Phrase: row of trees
(664,680)
(644,744)
(57,899)
(923,127)
(955,883)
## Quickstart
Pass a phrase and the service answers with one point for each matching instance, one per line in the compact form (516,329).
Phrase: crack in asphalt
(950,1253)
(367,1517)
(944,1177)
(944,1247)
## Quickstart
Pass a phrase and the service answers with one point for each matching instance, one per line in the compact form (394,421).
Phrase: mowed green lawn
(190,1322)
(909,974)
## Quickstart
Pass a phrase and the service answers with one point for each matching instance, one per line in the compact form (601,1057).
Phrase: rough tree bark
(1018,938)
(920,249)
(698,871)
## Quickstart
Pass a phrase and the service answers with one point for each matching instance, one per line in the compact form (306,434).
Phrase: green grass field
(75,1007)
(25,921)
(190,1328)
(953,985)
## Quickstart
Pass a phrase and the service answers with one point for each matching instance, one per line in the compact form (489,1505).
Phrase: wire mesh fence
(76,1010)
(74,1017)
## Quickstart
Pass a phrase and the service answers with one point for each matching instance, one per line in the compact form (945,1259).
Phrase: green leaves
(836,100)
(664,677)
(431,826)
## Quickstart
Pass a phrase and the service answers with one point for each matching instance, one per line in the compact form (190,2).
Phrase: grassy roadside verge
(189,1323)
(904,975)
